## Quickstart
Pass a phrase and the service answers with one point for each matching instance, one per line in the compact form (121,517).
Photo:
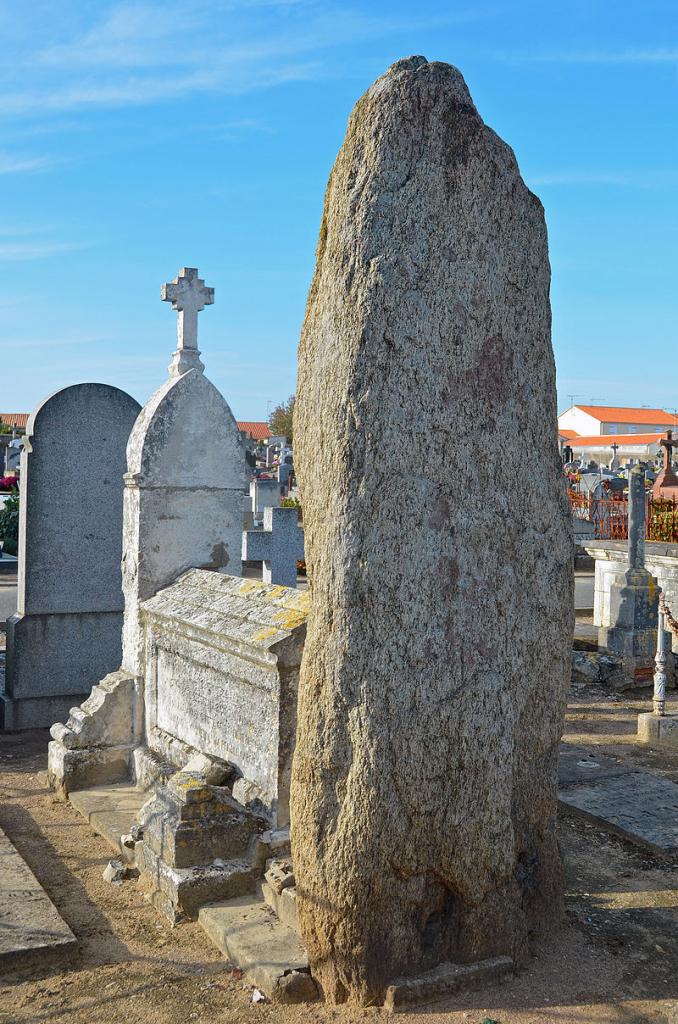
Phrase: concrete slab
(30,926)
(635,805)
(111,811)
(268,952)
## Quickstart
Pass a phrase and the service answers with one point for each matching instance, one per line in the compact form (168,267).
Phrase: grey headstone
(264,494)
(66,633)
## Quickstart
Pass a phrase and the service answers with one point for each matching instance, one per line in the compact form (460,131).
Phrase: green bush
(9,525)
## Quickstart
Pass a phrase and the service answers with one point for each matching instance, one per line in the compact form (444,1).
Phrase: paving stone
(111,811)
(30,926)
(636,805)
(269,953)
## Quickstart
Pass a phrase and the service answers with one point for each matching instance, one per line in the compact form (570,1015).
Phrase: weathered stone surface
(111,812)
(446,980)
(66,632)
(637,805)
(221,678)
(96,743)
(438,652)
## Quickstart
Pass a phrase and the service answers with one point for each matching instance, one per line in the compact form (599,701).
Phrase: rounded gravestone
(184,495)
(437,660)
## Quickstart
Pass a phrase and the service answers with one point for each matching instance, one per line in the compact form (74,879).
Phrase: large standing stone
(434,675)
(66,632)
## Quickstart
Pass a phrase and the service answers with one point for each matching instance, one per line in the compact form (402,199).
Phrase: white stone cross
(280,545)
(188,295)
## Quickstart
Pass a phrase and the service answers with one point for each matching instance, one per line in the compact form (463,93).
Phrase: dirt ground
(613,959)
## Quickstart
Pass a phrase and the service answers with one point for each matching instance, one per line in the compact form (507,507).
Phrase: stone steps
(283,904)
(269,953)
(111,811)
(31,929)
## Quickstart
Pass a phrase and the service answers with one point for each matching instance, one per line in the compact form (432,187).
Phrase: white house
(590,420)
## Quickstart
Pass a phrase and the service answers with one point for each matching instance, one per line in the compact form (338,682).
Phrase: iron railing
(610,516)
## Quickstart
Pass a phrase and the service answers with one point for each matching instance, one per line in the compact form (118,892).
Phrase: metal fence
(610,516)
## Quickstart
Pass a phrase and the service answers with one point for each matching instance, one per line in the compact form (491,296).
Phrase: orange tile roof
(614,413)
(606,440)
(255,429)
(567,433)
(14,419)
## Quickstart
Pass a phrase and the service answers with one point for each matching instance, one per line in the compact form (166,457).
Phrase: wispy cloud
(142,53)
(21,251)
(21,165)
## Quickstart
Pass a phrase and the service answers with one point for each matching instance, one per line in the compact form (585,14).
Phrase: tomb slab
(31,929)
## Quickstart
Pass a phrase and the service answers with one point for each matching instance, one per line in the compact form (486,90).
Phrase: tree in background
(9,525)
(280,420)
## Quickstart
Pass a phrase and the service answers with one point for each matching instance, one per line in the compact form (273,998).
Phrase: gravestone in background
(437,662)
(66,631)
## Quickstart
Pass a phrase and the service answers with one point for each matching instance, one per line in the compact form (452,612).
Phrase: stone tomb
(222,658)
(222,671)
(182,510)
(66,633)
(218,691)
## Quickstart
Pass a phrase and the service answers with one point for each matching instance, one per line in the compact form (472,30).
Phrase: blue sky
(136,138)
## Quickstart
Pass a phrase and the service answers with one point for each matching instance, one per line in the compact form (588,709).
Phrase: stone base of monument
(634,605)
(80,645)
(17,714)
(199,844)
(179,893)
(268,951)
(658,730)
(445,980)
(95,746)
(204,737)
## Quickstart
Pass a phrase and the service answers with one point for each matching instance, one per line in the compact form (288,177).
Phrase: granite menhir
(435,671)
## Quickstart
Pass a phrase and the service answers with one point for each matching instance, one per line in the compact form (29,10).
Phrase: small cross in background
(280,545)
(668,444)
